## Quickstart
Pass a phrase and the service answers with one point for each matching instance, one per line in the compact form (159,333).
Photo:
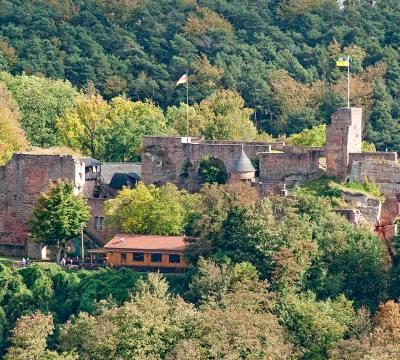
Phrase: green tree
(150,210)
(57,216)
(212,170)
(129,122)
(222,116)
(314,137)
(85,125)
(40,101)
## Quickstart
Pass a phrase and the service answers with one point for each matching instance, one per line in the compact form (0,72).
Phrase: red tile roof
(146,242)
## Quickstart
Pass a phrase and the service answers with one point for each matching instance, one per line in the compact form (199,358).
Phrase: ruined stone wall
(343,136)
(23,179)
(274,145)
(372,156)
(304,149)
(163,158)
(265,189)
(288,167)
(387,177)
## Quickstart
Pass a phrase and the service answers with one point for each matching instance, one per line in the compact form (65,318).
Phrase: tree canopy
(150,210)
(57,216)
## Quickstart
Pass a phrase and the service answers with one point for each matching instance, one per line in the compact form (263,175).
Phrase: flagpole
(187,102)
(348,84)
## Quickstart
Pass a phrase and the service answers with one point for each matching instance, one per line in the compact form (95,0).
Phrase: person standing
(63,262)
(27,262)
(23,262)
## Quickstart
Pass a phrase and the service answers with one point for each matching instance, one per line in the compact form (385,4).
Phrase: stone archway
(211,170)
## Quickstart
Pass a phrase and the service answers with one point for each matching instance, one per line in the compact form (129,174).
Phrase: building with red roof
(145,252)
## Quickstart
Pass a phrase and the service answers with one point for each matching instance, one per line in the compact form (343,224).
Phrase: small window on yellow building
(138,257)
(156,257)
(123,257)
(174,259)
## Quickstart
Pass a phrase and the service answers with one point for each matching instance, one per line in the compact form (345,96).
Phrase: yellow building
(145,252)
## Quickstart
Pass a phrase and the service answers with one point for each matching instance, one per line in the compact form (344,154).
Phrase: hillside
(278,54)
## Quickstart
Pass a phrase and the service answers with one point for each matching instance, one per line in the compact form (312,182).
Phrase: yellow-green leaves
(84,126)
(12,137)
(150,210)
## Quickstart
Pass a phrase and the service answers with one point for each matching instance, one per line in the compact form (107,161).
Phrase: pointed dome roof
(242,164)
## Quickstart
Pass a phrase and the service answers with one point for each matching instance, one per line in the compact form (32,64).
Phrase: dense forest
(279,55)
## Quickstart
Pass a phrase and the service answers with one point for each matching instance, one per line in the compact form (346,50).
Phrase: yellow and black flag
(343,61)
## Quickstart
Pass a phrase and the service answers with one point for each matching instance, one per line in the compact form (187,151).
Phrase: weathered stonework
(23,179)
(353,216)
(370,207)
(288,167)
(343,136)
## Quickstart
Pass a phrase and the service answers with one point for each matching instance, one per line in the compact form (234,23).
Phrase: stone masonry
(21,181)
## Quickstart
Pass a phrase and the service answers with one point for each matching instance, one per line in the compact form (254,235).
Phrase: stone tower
(343,136)
(242,169)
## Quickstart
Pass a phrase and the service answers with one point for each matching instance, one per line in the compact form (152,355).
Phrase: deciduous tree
(57,216)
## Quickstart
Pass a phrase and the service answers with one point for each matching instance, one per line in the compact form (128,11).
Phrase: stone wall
(288,167)
(343,136)
(163,158)
(265,189)
(23,179)
(378,157)
(97,206)
(304,149)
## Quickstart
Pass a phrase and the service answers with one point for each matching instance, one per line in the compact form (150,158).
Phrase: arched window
(97,223)
(102,223)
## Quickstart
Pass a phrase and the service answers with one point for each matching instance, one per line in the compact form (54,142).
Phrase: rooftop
(90,162)
(120,179)
(242,164)
(146,242)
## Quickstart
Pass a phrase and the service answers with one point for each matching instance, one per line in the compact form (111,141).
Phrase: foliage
(40,101)
(327,186)
(57,216)
(85,126)
(213,210)
(29,336)
(111,131)
(12,137)
(222,116)
(366,146)
(150,210)
(314,137)
(212,171)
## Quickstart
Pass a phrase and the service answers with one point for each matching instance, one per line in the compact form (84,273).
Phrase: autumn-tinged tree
(30,339)
(57,216)
(12,137)
(150,210)
(205,20)
(111,131)
(85,125)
